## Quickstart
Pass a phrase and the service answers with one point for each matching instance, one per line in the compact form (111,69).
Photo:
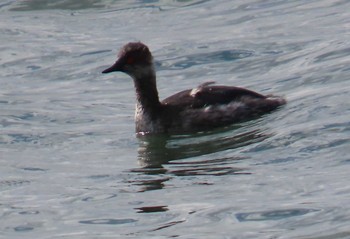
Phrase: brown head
(132,58)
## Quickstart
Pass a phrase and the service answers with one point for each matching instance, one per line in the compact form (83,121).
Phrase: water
(72,167)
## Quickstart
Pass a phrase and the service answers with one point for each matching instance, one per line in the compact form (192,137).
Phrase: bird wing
(206,94)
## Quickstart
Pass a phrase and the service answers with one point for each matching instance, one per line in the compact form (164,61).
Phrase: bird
(203,108)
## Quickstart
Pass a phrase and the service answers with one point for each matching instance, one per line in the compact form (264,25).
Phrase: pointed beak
(116,67)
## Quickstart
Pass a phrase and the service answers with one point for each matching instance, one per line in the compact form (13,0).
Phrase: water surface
(72,167)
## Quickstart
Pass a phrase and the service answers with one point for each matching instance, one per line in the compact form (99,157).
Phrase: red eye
(130,60)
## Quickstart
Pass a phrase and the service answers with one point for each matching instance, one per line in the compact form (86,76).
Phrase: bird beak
(116,67)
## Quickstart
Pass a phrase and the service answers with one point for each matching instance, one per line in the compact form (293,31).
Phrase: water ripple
(108,221)
(206,58)
(273,214)
(13,183)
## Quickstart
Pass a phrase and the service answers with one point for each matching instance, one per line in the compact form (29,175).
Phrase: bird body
(204,107)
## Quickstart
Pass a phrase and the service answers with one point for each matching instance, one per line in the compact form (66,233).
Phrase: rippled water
(72,167)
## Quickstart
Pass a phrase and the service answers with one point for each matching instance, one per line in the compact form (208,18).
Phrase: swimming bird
(202,108)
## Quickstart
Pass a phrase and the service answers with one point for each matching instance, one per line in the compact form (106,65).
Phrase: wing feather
(206,95)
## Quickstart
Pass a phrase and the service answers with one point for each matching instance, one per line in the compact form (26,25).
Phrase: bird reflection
(163,156)
(157,150)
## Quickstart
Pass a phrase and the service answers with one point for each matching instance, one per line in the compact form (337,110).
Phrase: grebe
(202,108)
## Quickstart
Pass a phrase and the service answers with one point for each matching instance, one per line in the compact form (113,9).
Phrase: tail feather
(259,106)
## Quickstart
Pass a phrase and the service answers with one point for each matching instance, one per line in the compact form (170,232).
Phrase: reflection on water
(156,150)
(152,209)
(169,224)
(150,184)
(163,156)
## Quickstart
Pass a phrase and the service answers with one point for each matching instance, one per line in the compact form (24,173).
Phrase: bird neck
(146,90)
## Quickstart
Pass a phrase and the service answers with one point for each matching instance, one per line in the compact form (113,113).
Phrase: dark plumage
(202,108)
